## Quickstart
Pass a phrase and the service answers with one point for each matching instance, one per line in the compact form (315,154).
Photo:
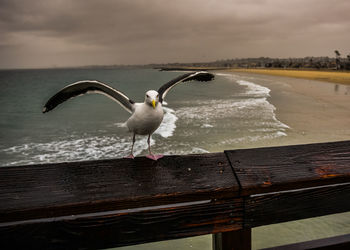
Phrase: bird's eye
(147,96)
(157,95)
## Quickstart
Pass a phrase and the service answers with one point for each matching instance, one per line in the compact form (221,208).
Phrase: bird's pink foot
(131,156)
(154,157)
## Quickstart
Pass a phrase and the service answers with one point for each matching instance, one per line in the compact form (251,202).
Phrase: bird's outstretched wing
(85,87)
(201,76)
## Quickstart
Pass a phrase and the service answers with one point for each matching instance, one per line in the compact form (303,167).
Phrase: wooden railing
(110,203)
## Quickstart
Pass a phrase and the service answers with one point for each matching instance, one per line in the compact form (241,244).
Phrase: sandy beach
(342,77)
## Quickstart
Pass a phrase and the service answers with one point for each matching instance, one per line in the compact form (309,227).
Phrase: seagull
(145,117)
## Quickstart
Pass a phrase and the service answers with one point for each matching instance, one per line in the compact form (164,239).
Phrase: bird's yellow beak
(154,104)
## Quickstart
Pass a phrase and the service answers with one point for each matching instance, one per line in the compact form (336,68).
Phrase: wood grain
(108,203)
(124,227)
(287,206)
(290,167)
(41,191)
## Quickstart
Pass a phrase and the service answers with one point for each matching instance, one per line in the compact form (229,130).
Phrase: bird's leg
(152,156)
(131,156)
(149,144)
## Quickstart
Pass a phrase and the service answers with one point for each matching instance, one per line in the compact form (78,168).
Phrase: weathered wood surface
(107,203)
(119,228)
(341,242)
(264,170)
(286,206)
(41,191)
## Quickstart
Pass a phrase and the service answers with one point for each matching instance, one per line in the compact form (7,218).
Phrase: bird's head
(152,98)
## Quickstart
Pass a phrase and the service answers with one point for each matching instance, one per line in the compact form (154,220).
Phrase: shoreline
(341,77)
(315,111)
(324,76)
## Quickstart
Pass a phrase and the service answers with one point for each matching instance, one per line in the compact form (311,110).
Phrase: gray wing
(201,76)
(85,87)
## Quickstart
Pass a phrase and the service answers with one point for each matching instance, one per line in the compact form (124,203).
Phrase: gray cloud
(82,32)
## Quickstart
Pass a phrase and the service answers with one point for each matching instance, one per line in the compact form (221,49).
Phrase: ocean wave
(88,148)
(248,111)
(227,75)
(235,108)
(168,126)
(205,125)
(91,148)
(254,90)
(120,124)
(193,150)
(253,138)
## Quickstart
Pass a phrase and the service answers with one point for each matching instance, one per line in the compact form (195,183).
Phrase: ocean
(200,117)
(233,111)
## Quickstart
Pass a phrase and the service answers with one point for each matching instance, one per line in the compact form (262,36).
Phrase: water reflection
(336,88)
(340,89)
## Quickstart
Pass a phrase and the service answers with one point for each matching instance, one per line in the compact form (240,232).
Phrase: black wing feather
(197,76)
(83,87)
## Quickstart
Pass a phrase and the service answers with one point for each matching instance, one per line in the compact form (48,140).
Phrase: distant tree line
(337,63)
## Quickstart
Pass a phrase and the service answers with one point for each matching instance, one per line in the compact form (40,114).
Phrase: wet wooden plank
(333,243)
(51,190)
(99,204)
(119,228)
(279,207)
(290,167)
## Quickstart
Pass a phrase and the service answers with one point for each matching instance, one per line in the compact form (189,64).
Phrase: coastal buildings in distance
(326,63)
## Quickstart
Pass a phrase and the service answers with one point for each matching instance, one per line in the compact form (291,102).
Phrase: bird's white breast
(145,119)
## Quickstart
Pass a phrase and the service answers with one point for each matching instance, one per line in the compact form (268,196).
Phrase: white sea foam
(88,148)
(205,125)
(236,108)
(167,128)
(227,75)
(193,150)
(249,109)
(91,148)
(253,138)
(120,124)
(254,89)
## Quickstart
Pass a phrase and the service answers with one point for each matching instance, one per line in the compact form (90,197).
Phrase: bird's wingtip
(201,76)
(45,110)
(205,76)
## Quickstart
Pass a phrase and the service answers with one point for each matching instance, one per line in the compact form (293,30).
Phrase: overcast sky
(48,33)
